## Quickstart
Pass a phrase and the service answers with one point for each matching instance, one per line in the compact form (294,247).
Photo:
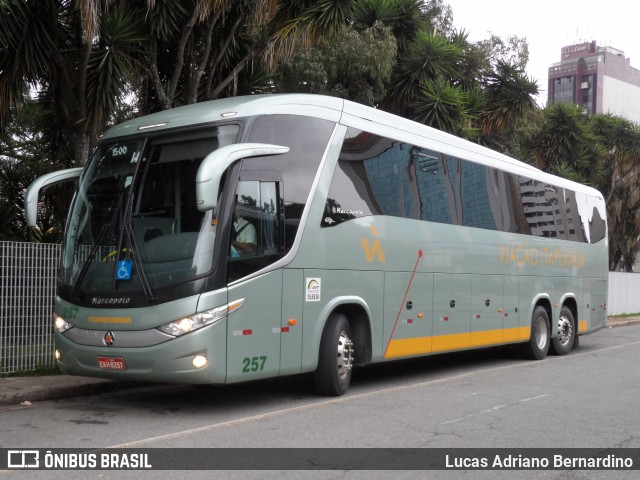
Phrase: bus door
(254,330)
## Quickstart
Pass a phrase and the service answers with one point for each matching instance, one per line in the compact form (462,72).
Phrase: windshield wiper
(144,281)
(87,263)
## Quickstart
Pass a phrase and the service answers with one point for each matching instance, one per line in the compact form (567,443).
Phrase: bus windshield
(134,227)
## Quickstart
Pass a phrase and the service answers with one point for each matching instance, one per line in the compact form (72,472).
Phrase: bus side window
(257,236)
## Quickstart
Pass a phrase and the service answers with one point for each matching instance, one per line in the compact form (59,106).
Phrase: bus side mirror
(31,197)
(214,165)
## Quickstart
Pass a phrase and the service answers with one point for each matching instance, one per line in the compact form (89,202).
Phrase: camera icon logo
(23,459)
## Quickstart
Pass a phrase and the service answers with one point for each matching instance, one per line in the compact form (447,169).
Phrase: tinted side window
(374,176)
(584,224)
(382,176)
(257,233)
(307,138)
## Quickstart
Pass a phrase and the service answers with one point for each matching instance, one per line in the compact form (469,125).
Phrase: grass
(625,315)
(34,359)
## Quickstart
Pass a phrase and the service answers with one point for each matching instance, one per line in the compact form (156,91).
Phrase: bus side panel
(532,290)
(291,324)
(451,312)
(511,314)
(408,324)
(487,299)
(327,290)
(598,305)
(253,334)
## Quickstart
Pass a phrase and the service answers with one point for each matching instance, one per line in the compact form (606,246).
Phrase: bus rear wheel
(538,345)
(335,359)
(563,342)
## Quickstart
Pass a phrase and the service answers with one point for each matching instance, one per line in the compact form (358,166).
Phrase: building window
(587,93)
(564,89)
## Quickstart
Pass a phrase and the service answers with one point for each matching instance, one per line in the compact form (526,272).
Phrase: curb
(25,390)
(623,323)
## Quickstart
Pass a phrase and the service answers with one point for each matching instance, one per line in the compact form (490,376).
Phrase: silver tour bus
(263,236)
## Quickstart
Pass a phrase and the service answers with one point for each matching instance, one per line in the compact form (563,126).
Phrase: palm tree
(620,139)
(565,136)
(428,58)
(404,17)
(80,55)
(510,94)
(443,106)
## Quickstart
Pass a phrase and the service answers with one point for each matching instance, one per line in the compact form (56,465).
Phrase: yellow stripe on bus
(583,326)
(407,347)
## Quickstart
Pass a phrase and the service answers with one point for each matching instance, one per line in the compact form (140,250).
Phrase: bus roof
(337,110)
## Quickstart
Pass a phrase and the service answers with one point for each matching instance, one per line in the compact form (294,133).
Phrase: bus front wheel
(563,342)
(335,359)
(538,345)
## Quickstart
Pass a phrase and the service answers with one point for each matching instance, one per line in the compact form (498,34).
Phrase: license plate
(111,363)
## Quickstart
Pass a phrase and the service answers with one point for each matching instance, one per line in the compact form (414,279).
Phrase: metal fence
(624,293)
(27,288)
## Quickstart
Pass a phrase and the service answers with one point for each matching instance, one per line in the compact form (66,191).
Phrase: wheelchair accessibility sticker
(124,270)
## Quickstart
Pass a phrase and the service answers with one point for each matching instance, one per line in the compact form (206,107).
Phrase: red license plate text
(111,363)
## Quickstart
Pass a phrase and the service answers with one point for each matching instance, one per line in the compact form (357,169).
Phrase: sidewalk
(26,390)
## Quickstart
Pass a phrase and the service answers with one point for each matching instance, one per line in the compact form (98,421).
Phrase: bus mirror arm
(214,165)
(31,197)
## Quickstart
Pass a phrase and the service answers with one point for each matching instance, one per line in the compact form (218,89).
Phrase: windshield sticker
(124,270)
(313,290)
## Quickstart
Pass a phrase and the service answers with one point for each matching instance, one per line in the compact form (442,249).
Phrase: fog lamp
(200,361)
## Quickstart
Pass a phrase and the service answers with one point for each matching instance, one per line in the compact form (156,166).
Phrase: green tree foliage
(513,51)
(620,141)
(353,64)
(405,18)
(24,155)
(508,100)
(442,105)
(567,144)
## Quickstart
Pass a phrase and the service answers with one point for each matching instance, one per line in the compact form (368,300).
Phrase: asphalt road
(487,398)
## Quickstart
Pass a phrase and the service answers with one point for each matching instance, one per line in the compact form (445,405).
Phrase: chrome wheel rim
(345,354)
(565,331)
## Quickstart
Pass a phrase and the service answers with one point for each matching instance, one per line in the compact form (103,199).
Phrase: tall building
(601,79)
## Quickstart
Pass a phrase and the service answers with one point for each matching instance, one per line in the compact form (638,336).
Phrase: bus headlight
(199,320)
(60,324)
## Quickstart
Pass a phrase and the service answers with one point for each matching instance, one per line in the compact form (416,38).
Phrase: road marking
(494,409)
(357,396)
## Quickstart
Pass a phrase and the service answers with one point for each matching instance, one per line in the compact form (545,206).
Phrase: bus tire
(538,345)
(563,342)
(335,359)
